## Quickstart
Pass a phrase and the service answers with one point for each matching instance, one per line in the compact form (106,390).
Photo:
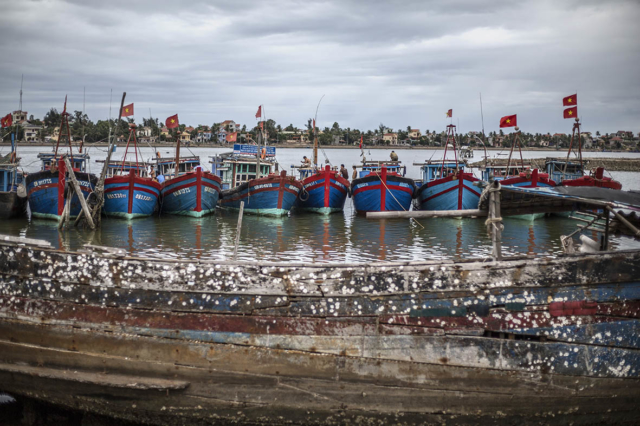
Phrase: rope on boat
(394,197)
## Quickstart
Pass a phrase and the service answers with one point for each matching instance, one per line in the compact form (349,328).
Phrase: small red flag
(360,141)
(232,137)
(172,122)
(259,113)
(570,100)
(450,113)
(571,112)
(509,121)
(64,111)
(6,121)
(127,111)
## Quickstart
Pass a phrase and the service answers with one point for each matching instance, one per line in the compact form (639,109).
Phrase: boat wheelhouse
(517,176)
(13,194)
(192,192)
(382,186)
(247,177)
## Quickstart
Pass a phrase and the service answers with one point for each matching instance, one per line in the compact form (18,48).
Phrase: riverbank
(304,146)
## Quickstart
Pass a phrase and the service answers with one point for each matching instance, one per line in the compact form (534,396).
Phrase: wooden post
(235,250)
(76,186)
(494,222)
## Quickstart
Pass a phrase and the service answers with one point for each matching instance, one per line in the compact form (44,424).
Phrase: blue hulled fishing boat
(247,175)
(382,186)
(46,188)
(445,184)
(191,191)
(324,191)
(129,190)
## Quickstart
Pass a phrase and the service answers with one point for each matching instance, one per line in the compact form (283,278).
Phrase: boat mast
(175,171)
(258,174)
(315,136)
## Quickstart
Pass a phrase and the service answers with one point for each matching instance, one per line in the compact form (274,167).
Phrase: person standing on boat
(394,156)
(344,172)
(306,162)
(355,173)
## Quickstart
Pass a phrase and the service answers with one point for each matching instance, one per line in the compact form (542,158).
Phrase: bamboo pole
(235,250)
(636,232)
(426,213)
(83,202)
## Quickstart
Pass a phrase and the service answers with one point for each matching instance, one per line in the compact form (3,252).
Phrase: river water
(341,237)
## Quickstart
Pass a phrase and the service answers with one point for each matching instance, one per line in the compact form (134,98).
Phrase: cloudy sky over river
(401,63)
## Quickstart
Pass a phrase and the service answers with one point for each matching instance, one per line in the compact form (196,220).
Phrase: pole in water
(235,250)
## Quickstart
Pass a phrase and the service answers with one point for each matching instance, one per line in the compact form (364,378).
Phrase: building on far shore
(391,138)
(19,116)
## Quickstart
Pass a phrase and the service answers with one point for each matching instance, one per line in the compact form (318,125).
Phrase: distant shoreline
(305,146)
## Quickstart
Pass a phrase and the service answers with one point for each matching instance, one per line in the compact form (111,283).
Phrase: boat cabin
(119,168)
(560,170)
(166,166)
(78,161)
(241,165)
(432,170)
(376,166)
(10,177)
(491,173)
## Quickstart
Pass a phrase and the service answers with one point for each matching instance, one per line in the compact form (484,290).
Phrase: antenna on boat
(21,81)
(315,135)
(483,136)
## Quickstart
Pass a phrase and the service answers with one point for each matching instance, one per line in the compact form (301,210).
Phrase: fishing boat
(569,173)
(13,193)
(250,175)
(46,188)
(382,186)
(446,185)
(129,189)
(481,341)
(189,191)
(324,191)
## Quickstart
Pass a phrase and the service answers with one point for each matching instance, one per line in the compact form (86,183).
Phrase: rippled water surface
(342,237)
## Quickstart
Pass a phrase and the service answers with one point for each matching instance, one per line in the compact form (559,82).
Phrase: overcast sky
(400,63)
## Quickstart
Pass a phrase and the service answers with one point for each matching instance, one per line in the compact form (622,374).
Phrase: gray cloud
(398,62)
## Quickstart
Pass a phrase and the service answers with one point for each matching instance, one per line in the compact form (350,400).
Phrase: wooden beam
(427,213)
(76,186)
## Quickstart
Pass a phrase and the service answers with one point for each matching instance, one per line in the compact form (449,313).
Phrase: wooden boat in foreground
(190,342)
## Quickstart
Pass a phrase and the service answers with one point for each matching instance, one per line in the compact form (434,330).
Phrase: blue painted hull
(193,194)
(325,192)
(378,193)
(449,193)
(270,196)
(46,193)
(130,196)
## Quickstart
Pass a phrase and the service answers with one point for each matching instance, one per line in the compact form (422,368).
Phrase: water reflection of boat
(384,239)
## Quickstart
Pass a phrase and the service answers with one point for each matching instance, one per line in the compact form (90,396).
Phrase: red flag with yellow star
(450,113)
(571,112)
(570,100)
(172,122)
(509,121)
(127,110)
(6,121)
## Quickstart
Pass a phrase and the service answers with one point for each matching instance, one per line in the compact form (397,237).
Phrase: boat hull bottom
(127,216)
(264,212)
(191,213)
